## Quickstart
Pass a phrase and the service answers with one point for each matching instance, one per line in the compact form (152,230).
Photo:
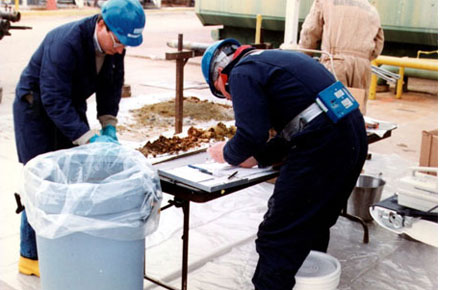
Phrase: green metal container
(409,25)
(409,21)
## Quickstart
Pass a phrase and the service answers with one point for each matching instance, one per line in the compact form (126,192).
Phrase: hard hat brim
(130,41)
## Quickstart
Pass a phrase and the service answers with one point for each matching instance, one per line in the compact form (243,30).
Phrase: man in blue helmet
(321,159)
(74,61)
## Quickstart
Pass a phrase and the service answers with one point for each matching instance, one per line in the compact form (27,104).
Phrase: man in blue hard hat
(74,61)
(321,157)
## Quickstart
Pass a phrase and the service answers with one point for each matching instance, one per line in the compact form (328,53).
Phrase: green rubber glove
(109,131)
(102,138)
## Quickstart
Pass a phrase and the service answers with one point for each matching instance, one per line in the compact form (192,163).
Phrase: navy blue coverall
(60,76)
(321,163)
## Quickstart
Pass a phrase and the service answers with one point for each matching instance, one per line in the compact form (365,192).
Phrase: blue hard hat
(209,57)
(126,19)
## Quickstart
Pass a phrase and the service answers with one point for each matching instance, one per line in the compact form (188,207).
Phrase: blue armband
(336,101)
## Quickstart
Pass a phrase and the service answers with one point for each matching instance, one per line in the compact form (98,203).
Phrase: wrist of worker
(106,120)
(108,123)
(273,152)
(216,151)
(84,139)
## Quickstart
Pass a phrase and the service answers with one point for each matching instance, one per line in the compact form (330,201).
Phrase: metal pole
(366,235)
(400,82)
(258,29)
(185,246)
(291,24)
(195,46)
(179,89)
(373,84)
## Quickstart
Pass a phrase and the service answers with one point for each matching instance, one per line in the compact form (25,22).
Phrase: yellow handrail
(401,63)
(419,63)
(419,52)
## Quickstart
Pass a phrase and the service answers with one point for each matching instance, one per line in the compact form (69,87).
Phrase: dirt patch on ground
(152,120)
(163,114)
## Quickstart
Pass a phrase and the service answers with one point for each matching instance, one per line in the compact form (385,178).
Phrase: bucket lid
(320,267)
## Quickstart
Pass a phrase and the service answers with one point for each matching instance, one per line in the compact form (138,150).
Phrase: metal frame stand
(185,205)
(372,138)
(366,235)
(181,57)
(183,196)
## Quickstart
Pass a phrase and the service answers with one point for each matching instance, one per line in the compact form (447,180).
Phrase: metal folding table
(183,194)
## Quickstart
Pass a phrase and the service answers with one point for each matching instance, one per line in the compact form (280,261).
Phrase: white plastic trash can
(319,271)
(91,207)
(80,261)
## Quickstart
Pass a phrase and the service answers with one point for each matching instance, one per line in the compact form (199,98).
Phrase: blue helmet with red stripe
(217,55)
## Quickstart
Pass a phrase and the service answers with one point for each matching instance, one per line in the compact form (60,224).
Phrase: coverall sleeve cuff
(106,120)
(84,139)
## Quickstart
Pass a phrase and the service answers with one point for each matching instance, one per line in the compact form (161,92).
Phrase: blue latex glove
(102,138)
(109,131)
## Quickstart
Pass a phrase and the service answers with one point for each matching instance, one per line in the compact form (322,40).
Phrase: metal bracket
(20,207)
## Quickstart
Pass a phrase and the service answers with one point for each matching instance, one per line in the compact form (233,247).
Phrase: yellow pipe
(258,28)
(16,5)
(419,52)
(419,63)
(401,62)
(400,82)
(373,85)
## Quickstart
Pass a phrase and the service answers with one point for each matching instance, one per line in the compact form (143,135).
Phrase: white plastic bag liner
(102,189)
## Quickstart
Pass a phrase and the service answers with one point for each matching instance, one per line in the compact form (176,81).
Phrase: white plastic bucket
(319,271)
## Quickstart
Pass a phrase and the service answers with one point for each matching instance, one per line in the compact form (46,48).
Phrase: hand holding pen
(216,152)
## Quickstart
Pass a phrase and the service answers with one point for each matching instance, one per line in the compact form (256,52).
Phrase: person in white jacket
(351,31)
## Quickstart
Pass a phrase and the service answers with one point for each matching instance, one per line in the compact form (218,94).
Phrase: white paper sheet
(383,127)
(218,176)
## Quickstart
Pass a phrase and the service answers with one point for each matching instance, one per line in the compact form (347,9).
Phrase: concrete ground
(149,74)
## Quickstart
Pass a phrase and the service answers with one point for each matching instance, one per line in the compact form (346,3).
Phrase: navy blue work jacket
(269,88)
(61,75)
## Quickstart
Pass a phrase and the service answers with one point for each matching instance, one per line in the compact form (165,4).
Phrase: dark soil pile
(195,137)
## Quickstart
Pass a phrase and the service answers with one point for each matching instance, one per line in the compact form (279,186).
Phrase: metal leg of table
(185,204)
(344,213)
(185,244)
(158,282)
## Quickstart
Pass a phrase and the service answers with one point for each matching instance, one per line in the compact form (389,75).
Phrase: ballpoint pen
(202,170)
(232,175)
